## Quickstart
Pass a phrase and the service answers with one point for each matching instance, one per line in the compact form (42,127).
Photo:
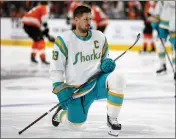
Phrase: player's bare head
(44,2)
(82,17)
(80,10)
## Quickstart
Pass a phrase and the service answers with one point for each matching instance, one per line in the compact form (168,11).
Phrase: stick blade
(139,35)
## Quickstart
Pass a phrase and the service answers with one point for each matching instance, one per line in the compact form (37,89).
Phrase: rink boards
(119,33)
(28,43)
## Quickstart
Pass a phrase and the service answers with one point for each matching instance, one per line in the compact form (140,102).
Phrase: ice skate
(114,126)
(34,62)
(143,51)
(153,50)
(56,117)
(162,69)
(45,62)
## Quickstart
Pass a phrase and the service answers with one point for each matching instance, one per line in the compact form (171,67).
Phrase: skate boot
(114,126)
(45,62)
(153,50)
(162,69)
(56,117)
(143,51)
(33,60)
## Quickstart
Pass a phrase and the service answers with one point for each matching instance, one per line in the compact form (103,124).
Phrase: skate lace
(56,118)
(113,121)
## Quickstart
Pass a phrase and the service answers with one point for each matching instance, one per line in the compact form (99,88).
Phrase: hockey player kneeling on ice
(77,55)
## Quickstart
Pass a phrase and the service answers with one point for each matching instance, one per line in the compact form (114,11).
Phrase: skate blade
(114,132)
(33,64)
(44,67)
(161,74)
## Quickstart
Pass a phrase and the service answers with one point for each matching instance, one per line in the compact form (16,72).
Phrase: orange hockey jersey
(99,17)
(71,9)
(36,16)
(149,10)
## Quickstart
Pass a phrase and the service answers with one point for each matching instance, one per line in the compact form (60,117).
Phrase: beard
(83,30)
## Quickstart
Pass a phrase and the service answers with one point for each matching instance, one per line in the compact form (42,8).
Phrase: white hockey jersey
(76,57)
(164,10)
(172,22)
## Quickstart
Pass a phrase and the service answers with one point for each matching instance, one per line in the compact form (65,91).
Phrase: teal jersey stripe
(87,86)
(115,99)
(57,83)
(162,54)
(105,52)
(60,48)
(166,23)
(173,60)
(63,44)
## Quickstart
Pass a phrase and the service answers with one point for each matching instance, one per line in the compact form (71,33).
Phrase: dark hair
(44,2)
(80,10)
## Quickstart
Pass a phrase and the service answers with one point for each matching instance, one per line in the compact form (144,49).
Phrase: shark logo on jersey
(83,58)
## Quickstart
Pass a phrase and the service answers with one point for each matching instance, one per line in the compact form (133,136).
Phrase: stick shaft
(167,55)
(46,113)
(138,36)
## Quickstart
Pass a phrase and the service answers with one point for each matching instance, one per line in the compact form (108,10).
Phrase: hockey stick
(97,74)
(46,113)
(138,36)
(167,55)
(94,76)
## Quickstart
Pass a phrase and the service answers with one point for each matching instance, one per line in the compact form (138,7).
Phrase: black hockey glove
(45,32)
(51,38)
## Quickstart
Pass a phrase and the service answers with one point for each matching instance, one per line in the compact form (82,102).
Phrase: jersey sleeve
(105,50)
(172,27)
(45,14)
(58,62)
(102,14)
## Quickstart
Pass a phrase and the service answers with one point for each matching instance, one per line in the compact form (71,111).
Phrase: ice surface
(148,110)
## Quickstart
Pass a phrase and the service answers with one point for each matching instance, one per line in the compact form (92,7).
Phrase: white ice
(148,110)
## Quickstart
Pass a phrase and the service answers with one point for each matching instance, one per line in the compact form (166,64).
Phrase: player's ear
(76,18)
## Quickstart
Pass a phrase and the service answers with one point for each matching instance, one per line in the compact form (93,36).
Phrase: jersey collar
(84,38)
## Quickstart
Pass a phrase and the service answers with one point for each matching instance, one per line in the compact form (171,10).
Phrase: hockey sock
(114,101)
(41,48)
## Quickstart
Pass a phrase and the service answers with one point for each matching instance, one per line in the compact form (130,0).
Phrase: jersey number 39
(55,55)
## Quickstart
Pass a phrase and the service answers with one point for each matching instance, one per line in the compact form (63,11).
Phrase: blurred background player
(71,9)
(160,22)
(148,30)
(34,21)
(99,18)
(172,38)
(133,9)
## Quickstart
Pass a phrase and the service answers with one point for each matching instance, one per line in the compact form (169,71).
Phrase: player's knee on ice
(72,126)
